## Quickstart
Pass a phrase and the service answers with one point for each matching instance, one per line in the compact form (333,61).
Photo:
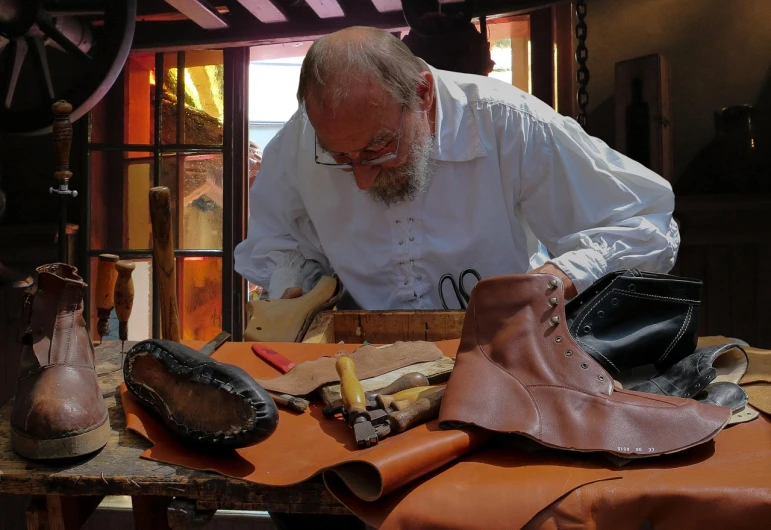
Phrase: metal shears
(460,290)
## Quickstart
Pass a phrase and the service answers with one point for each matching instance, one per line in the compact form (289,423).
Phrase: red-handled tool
(273,358)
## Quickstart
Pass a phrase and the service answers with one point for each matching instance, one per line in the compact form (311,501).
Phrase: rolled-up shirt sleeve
(281,248)
(595,210)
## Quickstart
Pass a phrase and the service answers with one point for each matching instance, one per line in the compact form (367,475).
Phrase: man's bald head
(360,66)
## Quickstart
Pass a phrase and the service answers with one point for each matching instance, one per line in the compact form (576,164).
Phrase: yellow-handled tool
(402,400)
(355,403)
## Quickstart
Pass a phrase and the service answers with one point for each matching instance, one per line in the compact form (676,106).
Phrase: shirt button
(412,238)
(406,282)
(420,278)
(401,242)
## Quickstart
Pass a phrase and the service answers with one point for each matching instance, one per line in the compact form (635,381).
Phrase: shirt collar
(456,131)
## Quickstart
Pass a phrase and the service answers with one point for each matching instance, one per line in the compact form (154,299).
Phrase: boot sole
(71,446)
(211,405)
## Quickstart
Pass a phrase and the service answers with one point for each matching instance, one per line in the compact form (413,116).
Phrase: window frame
(234,180)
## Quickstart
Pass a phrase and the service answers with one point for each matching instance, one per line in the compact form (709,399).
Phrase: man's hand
(550,268)
(292,292)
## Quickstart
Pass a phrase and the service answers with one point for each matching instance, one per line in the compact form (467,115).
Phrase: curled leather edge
(332,302)
(369,482)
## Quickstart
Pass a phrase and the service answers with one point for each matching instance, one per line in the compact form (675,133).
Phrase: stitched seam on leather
(587,347)
(679,335)
(657,297)
(593,306)
(76,431)
(631,392)
(46,367)
(484,353)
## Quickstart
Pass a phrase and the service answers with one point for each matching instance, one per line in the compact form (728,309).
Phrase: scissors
(460,290)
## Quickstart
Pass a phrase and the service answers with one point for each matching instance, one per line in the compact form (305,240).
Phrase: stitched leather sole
(203,402)
(71,446)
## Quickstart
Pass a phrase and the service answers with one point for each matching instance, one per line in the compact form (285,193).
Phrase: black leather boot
(629,318)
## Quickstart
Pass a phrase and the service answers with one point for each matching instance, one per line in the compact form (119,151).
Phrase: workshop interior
(145,383)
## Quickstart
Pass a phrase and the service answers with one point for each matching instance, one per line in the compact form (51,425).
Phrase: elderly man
(393,173)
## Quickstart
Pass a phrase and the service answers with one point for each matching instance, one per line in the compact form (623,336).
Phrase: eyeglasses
(371,162)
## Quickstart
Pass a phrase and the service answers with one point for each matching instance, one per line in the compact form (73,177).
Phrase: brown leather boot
(58,410)
(518,370)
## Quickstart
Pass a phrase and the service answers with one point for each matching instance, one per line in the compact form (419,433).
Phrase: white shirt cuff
(583,267)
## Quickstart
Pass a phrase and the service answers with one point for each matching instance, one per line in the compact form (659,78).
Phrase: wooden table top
(117,469)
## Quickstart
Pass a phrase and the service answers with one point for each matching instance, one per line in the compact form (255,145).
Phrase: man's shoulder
(495,95)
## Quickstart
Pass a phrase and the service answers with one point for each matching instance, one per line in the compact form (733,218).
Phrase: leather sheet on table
(306,444)
(427,478)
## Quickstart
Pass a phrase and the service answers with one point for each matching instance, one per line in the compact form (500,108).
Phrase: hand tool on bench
(124,300)
(106,275)
(273,358)
(374,424)
(407,381)
(214,344)
(283,365)
(164,262)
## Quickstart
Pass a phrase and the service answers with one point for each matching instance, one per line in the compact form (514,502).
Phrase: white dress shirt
(511,178)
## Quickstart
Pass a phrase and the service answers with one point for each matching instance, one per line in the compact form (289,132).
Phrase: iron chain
(582,55)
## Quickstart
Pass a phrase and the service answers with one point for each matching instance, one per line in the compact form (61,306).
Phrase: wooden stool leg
(37,514)
(150,512)
(183,515)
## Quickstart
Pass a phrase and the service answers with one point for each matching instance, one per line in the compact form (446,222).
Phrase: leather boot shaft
(58,409)
(519,370)
(57,332)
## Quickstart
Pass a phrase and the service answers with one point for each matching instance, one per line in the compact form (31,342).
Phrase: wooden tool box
(384,327)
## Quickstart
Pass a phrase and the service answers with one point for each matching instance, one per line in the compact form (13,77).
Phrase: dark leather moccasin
(205,403)
(691,375)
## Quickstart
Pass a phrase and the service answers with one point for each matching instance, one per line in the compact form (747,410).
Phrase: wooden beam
(200,12)
(326,8)
(385,6)
(265,10)
(168,36)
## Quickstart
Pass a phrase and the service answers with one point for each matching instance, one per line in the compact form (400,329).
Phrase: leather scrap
(722,485)
(288,320)
(370,361)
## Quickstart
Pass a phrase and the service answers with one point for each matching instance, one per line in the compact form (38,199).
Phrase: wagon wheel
(51,50)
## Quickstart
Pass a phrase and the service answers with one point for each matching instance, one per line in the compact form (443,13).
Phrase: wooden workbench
(163,496)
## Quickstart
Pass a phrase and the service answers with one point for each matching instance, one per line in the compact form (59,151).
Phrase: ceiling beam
(200,12)
(326,8)
(170,36)
(264,10)
(387,5)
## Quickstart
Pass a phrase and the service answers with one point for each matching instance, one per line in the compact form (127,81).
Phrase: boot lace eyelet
(600,314)
(584,366)
(558,339)
(632,287)
(601,377)
(568,353)
(587,328)
(614,302)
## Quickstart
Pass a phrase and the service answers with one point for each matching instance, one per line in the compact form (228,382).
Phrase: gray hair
(334,63)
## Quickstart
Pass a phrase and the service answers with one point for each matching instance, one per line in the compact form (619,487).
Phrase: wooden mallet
(164,263)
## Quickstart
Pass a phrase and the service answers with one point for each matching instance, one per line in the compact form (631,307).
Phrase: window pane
(125,114)
(199,225)
(140,324)
(204,97)
(120,186)
(200,297)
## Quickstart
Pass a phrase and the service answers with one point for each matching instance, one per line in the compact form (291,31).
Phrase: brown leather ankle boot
(518,370)
(58,410)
